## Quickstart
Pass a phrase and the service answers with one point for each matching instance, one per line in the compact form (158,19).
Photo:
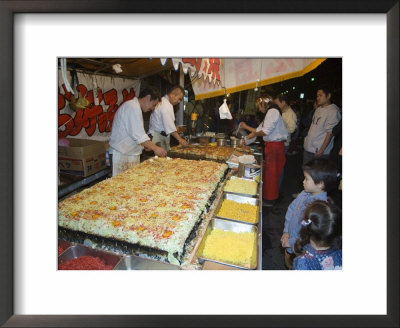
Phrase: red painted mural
(93,116)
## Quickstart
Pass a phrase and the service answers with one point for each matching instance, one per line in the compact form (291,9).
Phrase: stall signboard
(95,120)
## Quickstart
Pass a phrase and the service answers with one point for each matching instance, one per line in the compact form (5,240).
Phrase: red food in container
(79,257)
(62,246)
(85,263)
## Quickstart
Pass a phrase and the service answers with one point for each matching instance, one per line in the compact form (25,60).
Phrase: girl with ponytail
(319,246)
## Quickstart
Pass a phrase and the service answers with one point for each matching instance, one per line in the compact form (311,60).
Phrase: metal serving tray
(235,227)
(238,199)
(138,263)
(240,194)
(77,251)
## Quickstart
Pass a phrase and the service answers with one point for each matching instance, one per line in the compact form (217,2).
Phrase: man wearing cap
(162,120)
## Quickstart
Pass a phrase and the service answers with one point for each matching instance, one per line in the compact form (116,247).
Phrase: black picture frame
(7,11)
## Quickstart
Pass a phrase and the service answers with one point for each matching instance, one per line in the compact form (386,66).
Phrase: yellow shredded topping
(238,211)
(241,186)
(236,248)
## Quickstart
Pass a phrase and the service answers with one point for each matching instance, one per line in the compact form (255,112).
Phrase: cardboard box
(83,157)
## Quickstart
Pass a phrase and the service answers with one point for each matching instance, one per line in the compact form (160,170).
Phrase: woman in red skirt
(274,134)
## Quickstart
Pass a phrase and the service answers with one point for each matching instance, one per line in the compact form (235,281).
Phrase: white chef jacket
(273,126)
(127,131)
(163,117)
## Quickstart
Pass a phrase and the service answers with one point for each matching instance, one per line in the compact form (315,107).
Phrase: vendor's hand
(183,142)
(160,152)
(285,240)
(250,135)
(146,148)
(242,125)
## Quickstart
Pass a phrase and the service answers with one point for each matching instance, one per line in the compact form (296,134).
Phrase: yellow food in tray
(241,186)
(237,248)
(238,211)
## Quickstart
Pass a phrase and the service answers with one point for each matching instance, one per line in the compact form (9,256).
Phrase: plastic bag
(224,112)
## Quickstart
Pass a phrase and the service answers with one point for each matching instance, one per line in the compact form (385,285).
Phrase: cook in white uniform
(128,136)
(162,120)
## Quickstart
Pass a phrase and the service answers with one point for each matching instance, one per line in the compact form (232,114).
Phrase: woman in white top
(274,134)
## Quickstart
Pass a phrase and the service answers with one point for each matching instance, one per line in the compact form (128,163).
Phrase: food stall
(198,209)
(189,211)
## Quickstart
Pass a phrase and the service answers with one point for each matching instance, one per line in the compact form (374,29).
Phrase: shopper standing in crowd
(298,108)
(288,115)
(274,134)
(128,136)
(162,120)
(319,246)
(337,146)
(289,118)
(320,177)
(307,116)
(336,156)
(319,140)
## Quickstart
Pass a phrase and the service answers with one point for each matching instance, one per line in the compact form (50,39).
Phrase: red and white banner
(237,74)
(95,120)
(208,69)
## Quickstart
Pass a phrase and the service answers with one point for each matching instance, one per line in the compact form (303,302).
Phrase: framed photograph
(35,33)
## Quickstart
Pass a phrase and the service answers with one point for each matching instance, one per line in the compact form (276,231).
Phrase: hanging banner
(208,69)
(88,114)
(238,74)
